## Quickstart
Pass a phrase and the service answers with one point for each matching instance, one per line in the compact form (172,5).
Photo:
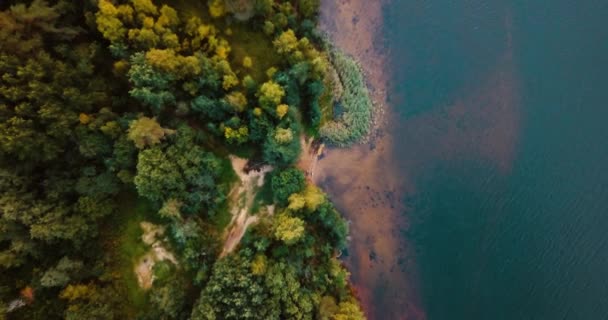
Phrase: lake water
(503,131)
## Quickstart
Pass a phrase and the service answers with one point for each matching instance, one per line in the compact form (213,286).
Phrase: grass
(243,40)
(123,242)
(256,45)
(228,178)
(329,95)
(354,123)
(263,196)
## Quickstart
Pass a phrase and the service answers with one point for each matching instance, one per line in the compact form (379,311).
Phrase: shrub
(354,123)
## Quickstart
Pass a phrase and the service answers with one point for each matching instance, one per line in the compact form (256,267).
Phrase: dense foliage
(354,105)
(118,112)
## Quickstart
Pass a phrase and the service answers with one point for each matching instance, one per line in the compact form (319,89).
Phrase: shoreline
(362,47)
(361,179)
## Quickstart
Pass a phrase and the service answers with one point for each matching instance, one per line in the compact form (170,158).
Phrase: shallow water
(487,195)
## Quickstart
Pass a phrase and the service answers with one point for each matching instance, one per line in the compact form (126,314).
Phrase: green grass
(243,40)
(255,44)
(326,102)
(263,196)
(123,241)
(228,178)
(355,121)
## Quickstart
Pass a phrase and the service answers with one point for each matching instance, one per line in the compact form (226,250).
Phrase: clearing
(242,202)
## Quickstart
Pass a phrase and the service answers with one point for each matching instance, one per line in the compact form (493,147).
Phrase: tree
(288,229)
(108,22)
(217,8)
(283,136)
(237,100)
(157,175)
(23,27)
(328,308)
(314,197)
(89,302)
(145,7)
(349,310)
(279,151)
(61,274)
(238,136)
(210,109)
(145,132)
(247,62)
(270,94)
(169,298)
(233,292)
(285,183)
(175,64)
(259,265)
(288,298)
(335,228)
(286,43)
(282,110)
(309,8)
(150,87)
(171,209)
(180,170)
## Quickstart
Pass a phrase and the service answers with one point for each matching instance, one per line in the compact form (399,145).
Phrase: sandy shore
(361,180)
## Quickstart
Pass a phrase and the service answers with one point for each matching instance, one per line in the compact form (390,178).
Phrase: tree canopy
(119,115)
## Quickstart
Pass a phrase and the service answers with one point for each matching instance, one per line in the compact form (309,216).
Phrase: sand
(367,182)
(241,202)
(361,179)
(154,236)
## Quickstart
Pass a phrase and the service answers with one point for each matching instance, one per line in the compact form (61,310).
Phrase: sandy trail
(154,236)
(309,157)
(241,200)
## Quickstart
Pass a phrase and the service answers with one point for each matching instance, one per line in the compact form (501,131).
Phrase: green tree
(270,94)
(309,8)
(287,182)
(150,87)
(169,298)
(109,23)
(233,292)
(288,229)
(327,308)
(61,274)
(90,302)
(146,132)
(349,310)
(288,298)
(278,151)
(286,43)
(180,170)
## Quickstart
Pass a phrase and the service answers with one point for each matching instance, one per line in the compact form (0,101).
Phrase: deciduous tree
(145,132)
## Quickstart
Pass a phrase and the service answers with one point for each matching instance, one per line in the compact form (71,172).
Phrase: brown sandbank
(361,179)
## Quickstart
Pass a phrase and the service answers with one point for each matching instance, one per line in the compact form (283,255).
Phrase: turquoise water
(503,110)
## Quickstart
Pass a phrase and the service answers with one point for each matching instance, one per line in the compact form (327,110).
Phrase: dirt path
(310,155)
(241,201)
(153,235)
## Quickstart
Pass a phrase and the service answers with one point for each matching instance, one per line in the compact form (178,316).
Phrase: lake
(484,193)
(502,108)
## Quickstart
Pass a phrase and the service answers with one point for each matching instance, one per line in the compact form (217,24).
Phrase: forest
(149,160)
